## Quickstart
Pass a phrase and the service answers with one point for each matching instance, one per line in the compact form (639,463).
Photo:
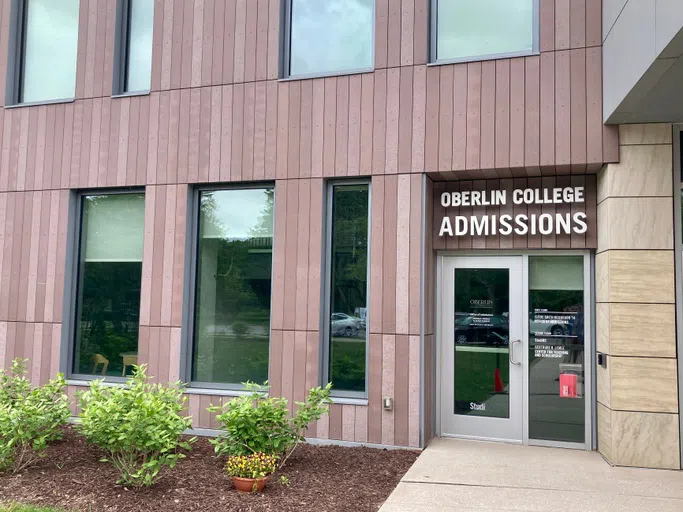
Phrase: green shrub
(256,423)
(138,426)
(30,419)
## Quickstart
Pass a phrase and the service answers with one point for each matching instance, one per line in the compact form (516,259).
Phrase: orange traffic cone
(498,382)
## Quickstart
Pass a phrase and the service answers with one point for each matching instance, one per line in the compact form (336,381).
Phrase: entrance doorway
(514,348)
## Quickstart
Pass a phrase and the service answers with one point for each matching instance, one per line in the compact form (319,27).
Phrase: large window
(469,30)
(348,287)
(233,287)
(108,290)
(135,46)
(327,37)
(47,41)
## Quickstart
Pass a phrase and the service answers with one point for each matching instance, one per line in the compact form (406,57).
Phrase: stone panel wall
(635,313)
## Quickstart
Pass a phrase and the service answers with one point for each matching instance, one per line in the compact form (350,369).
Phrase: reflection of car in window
(481,329)
(342,324)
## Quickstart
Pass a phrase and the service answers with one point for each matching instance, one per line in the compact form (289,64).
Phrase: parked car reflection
(344,325)
(481,329)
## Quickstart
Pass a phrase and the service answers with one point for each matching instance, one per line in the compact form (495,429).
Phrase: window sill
(84,383)
(349,401)
(38,103)
(131,94)
(217,392)
(482,58)
(331,74)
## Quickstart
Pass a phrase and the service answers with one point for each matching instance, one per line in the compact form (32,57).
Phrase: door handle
(511,353)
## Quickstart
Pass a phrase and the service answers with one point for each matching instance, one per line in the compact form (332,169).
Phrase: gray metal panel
(14,49)
(611,10)
(642,61)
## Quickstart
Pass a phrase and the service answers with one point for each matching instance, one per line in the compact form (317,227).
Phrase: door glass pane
(556,355)
(466,28)
(482,308)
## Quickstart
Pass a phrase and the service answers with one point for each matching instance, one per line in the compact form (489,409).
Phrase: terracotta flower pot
(247,484)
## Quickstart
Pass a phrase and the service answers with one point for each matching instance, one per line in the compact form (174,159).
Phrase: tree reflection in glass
(233,286)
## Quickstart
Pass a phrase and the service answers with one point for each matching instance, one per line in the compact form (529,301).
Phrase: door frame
(589,335)
(508,429)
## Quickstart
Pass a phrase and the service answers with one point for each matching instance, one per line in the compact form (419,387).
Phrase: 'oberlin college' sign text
(520,224)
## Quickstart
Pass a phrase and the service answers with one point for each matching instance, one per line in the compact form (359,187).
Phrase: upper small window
(467,30)
(136,24)
(47,33)
(327,37)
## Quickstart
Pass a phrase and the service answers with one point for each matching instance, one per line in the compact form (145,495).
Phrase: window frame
(677,145)
(434,38)
(286,47)
(74,245)
(326,310)
(16,57)
(122,52)
(190,295)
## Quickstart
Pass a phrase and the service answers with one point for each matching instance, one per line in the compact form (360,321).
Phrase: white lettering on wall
(545,224)
(521,224)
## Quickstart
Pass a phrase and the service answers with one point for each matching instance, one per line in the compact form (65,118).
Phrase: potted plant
(250,473)
(260,433)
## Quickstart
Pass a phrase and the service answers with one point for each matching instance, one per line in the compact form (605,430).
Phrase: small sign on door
(568,385)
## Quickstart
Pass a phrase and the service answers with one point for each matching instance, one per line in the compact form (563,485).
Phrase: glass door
(483,348)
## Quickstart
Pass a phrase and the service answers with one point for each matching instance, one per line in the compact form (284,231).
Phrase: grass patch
(474,374)
(348,364)
(26,508)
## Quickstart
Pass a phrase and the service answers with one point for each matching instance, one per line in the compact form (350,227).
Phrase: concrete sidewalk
(455,475)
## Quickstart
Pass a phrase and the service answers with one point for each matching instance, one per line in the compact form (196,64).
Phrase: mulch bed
(322,478)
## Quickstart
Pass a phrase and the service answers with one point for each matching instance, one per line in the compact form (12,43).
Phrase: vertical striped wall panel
(218,114)
(468,121)
(296,336)
(36,341)
(230,42)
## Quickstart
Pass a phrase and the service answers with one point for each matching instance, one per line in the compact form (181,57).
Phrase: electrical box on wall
(602,359)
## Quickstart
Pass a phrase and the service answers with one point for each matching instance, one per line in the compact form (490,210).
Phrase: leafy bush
(256,423)
(30,419)
(138,426)
(256,465)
